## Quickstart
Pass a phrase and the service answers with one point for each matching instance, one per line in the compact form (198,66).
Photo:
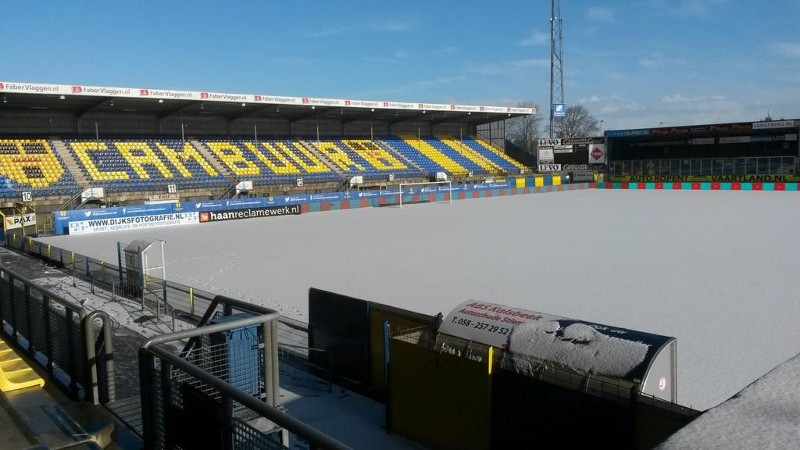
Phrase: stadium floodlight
(424,188)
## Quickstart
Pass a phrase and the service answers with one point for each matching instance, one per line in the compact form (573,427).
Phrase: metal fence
(185,305)
(221,390)
(181,302)
(74,346)
(207,379)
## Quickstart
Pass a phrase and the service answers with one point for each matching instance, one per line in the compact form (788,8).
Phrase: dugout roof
(646,359)
(80,100)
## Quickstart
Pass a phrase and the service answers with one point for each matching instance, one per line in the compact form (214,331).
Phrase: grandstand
(141,145)
(62,147)
(765,151)
(130,165)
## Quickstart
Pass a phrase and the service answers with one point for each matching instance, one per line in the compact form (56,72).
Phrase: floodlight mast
(556,62)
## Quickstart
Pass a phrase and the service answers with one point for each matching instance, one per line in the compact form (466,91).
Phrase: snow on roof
(578,346)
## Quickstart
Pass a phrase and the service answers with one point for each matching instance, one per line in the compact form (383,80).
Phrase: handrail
(267,409)
(90,361)
(316,438)
(231,188)
(91,356)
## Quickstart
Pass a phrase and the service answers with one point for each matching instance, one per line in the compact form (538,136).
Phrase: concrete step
(55,425)
(70,162)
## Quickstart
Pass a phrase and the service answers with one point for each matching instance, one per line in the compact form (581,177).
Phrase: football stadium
(192,269)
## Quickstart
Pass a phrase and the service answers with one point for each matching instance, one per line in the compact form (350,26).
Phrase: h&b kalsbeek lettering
(502,319)
(504,311)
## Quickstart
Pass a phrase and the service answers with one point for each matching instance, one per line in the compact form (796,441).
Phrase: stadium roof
(80,100)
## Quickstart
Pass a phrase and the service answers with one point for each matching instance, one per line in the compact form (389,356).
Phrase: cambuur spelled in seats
(121,165)
(372,160)
(31,165)
(271,161)
(152,163)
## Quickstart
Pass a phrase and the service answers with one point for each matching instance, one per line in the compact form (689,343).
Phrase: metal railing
(185,303)
(73,345)
(192,310)
(226,376)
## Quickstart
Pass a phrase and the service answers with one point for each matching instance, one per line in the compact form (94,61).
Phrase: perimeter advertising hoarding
(249,213)
(88,218)
(767,178)
(583,176)
(135,92)
(131,223)
(17,221)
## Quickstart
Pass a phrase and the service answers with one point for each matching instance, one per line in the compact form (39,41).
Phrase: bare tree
(576,123)
(524,131)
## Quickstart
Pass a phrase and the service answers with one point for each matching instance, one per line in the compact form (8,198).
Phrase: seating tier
(31,165)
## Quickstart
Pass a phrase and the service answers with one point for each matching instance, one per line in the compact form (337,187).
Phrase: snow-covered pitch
(716,270)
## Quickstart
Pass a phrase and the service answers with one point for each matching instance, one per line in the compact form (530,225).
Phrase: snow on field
(716,270)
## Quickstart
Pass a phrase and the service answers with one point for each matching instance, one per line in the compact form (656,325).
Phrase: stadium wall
(84,221)
(147,216)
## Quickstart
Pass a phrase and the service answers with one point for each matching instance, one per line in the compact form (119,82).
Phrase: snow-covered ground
(716,270)
(765,415)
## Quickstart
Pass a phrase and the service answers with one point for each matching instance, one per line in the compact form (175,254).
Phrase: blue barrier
(333,200)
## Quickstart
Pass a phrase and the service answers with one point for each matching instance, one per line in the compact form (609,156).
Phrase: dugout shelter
(490,372)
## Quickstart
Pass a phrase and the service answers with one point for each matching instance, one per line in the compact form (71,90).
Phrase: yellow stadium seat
(15,373)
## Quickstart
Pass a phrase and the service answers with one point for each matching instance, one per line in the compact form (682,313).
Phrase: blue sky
(630,63)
